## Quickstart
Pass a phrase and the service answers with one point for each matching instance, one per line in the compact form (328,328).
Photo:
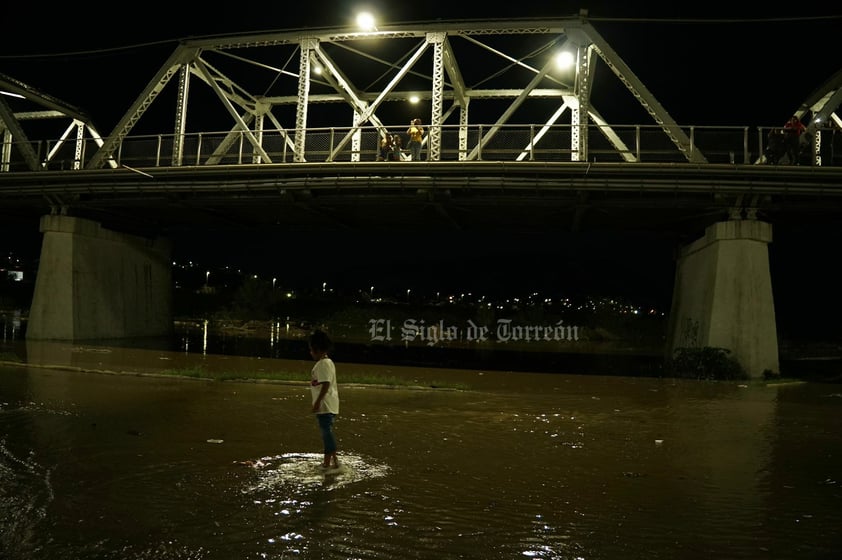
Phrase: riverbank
(143,362)
(595,353)
(397,373)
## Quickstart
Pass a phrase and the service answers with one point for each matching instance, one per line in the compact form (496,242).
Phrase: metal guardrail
(507,143)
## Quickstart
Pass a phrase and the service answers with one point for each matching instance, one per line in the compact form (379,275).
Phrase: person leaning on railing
(397,148)
(389,148)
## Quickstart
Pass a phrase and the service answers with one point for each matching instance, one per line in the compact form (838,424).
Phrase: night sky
(713,63)
(710,62)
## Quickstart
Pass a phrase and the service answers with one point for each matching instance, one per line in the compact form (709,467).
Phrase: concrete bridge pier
(723,295)
(98,284)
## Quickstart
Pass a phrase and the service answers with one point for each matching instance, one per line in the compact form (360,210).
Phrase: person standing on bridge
(325,395)
(793,128)
(416,135)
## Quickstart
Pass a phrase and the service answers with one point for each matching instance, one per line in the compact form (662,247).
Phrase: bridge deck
(452,195)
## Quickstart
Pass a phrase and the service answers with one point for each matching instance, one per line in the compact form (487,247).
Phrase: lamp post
(207,275)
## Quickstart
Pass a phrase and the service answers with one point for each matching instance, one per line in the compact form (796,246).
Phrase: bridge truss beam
(374,74)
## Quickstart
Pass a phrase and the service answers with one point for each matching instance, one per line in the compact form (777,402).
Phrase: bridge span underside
(106,228)
(456,196)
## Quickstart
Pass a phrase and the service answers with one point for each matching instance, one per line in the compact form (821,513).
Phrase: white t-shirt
(325,371)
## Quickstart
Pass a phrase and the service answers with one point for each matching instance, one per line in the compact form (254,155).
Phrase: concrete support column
(723,295)
(97,284)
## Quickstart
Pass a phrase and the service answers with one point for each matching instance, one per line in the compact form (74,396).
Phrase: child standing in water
(325,395)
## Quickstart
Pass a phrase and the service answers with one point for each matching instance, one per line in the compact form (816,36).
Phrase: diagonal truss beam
(212,77)
(182,55)
(642,94)
(511,109)
(367,112)
(340,82)
(7,117)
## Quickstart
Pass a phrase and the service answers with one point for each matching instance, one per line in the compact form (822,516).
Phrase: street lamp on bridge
(366,21)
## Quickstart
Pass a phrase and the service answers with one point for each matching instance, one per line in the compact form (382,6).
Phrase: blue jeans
(326,427)
(415,150)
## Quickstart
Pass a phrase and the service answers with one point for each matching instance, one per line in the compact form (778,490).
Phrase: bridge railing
(508,142)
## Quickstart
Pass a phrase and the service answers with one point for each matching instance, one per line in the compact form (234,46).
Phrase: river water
(113,465)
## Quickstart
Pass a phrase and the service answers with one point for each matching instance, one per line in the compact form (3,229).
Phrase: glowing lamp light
(366,21)
(414,99)
(564,60)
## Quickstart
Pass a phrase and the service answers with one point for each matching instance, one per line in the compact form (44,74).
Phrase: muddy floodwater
(116,466)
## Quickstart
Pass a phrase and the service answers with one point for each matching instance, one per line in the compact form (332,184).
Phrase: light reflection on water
(521,465)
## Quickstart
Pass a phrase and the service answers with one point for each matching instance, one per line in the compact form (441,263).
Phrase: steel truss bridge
(280,129)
